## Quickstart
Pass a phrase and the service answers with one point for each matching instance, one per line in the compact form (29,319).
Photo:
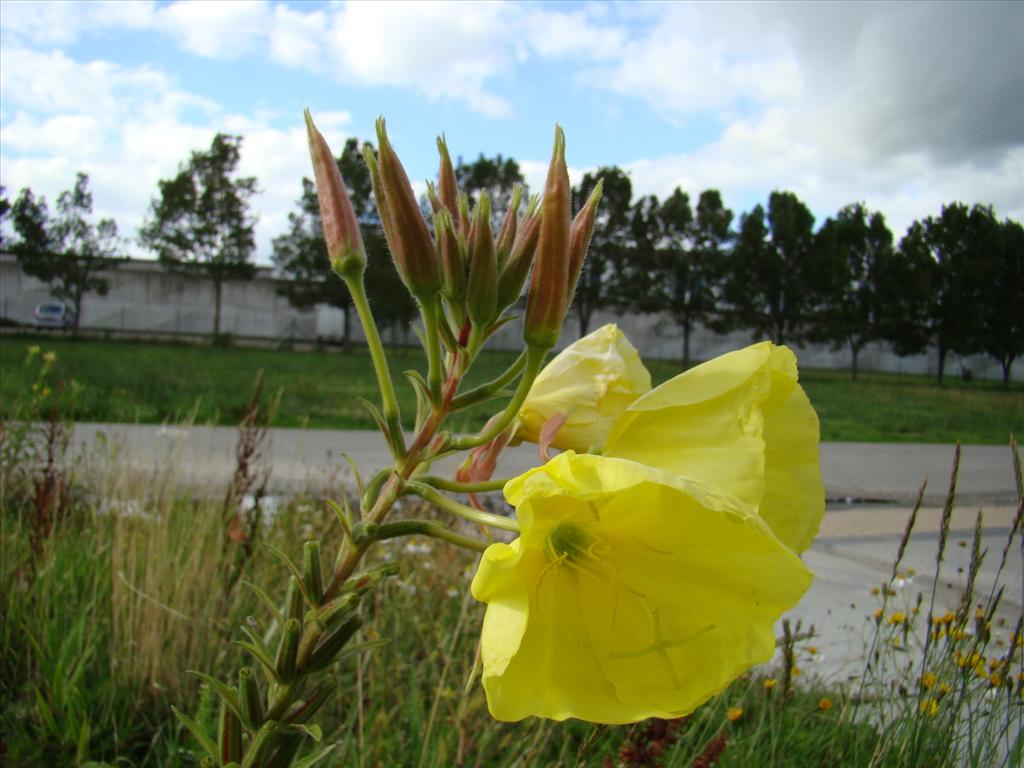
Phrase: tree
(941,275)
(65,251)
(497,176)
(855,250)
(301,253)
(684,264)
(769,287)
(5,209)
(598,285)
(1002,304)
(200,219)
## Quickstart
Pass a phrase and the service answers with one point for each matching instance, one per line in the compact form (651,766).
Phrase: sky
(902,106)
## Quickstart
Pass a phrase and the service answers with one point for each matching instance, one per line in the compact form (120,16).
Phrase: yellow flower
(590,383)
(769,683)
(824,705)
(734,714)
(928,679)
(875,591)
(929,707)
(630,593)
(739,423)
(897,617)
(943,689)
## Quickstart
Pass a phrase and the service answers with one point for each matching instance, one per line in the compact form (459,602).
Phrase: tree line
(952,282)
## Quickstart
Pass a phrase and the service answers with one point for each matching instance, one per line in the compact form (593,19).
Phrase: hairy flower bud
(453,262)
(517,266)
(579,236)
(447,187)
(482,288)
(548,297)
(341,230)
(507,233)
(407,233)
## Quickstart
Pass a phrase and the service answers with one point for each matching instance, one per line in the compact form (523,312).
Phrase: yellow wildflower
(928,679)
(824,705)
(943,689)
(734,714)
(897,617)
(812,650)
(630,593)
(797,671)
(740,423)
(929,707)
(875,591)
(769,683)
(49,357)
(589,384)
(877,614)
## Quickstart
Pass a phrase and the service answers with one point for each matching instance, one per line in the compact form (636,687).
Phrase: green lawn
(156,382)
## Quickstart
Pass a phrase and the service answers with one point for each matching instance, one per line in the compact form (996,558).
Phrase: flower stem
(389,401)
(429,528)
(467,513)
(430,310)
(453,486)
(488,390)
(534,360)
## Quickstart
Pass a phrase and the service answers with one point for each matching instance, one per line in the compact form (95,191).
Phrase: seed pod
(517,267)
(312,574)
(507,233)
(230,735)
(287,650)
(482,286)
(249,698)
(547,299)
(324,654)
(341,229)
(453,262)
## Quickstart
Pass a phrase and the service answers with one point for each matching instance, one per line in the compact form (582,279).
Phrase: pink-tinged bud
(435,202)
(453,261)
(507,233)
(464,220)
(447,186)
(482,288)
(409,240)
(517,266)
(579,236)
(548,296)
(341,230)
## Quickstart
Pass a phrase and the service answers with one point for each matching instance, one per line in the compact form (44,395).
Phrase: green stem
(467,513)
(534,360)
(389,401)
(491,388)
(430,310)
(429,528)
(453,486)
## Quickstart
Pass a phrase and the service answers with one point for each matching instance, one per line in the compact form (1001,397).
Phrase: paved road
(870,487)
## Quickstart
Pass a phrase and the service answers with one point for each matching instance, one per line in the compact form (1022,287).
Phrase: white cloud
(61,22)
(217,29)
(297,39)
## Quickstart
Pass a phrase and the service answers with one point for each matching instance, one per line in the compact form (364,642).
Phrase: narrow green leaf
(262,657)
(314,731)
(291,566)
(196,730)
(344,514)
(226,692)
(265,598)
(314,758)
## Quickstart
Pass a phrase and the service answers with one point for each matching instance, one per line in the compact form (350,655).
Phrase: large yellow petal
(739,423)
(663,592)
(591,381)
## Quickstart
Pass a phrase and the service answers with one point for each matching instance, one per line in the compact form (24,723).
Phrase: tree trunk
(77,303)
(941,364)
(217,285)
(1006,363)
(346,340)
(854,351)
(686,345)
(584,318)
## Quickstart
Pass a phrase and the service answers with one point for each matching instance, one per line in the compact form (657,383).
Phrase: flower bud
(312,574)
(341,230)
(547,299)
(507,233)
(517,266)
(579,236)
(447,187)
(590,382)
(453,262)
(464,220)
(482,287)
(249,698)
(408,236)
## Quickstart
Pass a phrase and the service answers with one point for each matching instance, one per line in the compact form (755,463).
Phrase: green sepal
(312,573)
(265,599)
(197,731)
(288,649)
(229,734)
(249,698)
(363,533)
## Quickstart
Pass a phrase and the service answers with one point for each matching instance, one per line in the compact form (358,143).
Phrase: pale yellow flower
(590,383)
(734,714)
(630,593)
(739,423)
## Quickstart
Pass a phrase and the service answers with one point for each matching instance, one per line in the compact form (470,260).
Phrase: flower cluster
(648,574)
